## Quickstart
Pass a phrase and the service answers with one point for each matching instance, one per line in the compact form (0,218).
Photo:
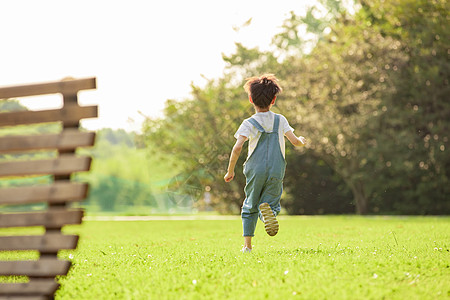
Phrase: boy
(265,164)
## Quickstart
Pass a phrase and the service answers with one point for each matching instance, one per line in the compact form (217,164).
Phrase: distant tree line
(370,91)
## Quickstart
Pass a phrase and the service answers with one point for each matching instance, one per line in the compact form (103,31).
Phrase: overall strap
(276,123)
(256,124)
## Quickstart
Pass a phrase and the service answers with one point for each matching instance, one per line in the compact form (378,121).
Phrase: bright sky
(142,52)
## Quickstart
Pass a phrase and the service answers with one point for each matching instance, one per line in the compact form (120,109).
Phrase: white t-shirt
(265,119)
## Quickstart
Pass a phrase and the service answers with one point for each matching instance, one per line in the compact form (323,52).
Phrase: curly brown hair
(262,89)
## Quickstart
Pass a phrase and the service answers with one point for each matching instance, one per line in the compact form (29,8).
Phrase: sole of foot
(270,221)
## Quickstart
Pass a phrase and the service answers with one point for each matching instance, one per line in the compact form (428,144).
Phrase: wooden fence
(57,194)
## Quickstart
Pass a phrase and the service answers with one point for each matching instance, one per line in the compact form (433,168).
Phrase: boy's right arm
(237,148)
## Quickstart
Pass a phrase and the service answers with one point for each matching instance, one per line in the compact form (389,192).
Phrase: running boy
(265,164)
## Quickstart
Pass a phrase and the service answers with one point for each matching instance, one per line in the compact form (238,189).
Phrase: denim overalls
(264,173)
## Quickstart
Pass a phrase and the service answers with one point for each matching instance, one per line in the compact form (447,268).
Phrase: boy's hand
(229,176)
(302,139)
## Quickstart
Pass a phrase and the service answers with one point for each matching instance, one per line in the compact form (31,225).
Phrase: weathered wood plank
(48,219)
(33,287)
(45,267)
(60,191)
(67,114)
(60,166)
(30,297)
(63,87)
(50,242)
(68,139)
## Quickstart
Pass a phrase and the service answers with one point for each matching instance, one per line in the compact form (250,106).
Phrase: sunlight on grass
(310,258)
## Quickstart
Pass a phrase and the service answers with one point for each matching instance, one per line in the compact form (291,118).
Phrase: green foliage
(8,105)
(116,137)
(383,89)
(415,117)
(312,187)
(246,62)
(368,90)
(300,33)
(199,134)
(123,176)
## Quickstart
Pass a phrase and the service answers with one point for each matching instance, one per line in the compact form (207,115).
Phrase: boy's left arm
(296,141)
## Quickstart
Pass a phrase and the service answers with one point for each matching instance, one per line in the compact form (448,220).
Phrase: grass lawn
(310,258)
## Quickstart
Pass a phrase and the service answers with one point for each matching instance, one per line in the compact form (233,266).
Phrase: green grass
(310,258)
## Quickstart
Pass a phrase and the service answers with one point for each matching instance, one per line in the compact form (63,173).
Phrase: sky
(141,52)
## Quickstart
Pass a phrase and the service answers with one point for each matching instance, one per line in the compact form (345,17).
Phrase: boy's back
(266,120)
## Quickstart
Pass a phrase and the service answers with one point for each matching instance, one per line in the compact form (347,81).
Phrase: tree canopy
(370,92)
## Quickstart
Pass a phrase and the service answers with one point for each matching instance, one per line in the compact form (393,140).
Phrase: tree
(373,99)
(370,93)
(415,117)
(199,133)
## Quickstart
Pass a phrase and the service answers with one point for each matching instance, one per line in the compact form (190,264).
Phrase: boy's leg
(270,205)
(272,194)
(248,242)
(249,220)
(249,225)
(250,211)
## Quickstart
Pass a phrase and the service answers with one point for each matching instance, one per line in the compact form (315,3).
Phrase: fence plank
(31,297)
(63,87)
(41,272)
(63,165)
(68,139)
(33,287)
(45,267)
(50,242)
(48,219)
(60,191)
(67,114)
